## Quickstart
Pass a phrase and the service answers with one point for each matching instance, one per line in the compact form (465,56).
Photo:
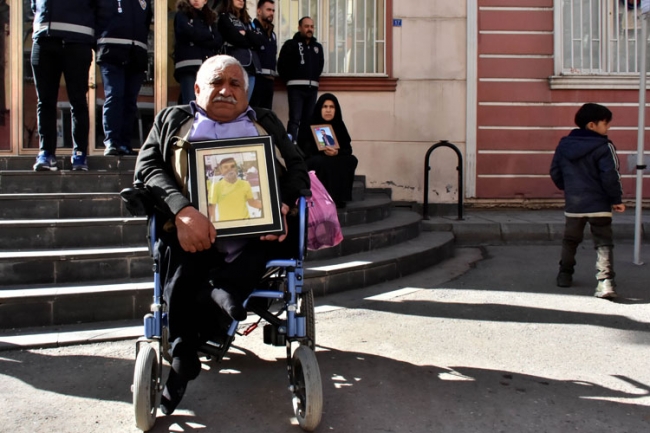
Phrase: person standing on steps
(122,56)
(64,37)
(268,52)
(300,65)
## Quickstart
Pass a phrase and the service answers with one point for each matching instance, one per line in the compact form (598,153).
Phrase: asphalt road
(484,342)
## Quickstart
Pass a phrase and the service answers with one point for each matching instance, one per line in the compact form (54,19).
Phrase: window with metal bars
(352,32)
(600,37)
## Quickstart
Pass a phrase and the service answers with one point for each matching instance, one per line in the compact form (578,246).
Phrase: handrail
(427,168)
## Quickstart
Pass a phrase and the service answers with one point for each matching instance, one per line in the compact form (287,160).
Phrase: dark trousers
(263,92)
(302,100)
(601,231)
(193,318)
(51,58)
(121,87)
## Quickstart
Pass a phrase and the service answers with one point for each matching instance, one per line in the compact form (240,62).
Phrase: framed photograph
(234,183)
(324,136)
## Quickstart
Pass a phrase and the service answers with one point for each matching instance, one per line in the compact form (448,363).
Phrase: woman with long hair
(241,39)
(196,39)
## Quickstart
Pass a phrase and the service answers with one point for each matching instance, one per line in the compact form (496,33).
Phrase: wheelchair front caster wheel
(307,388)
(146,397)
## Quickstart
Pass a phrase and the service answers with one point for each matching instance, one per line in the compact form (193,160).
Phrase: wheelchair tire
(307,388)
(307,310)
(146,397)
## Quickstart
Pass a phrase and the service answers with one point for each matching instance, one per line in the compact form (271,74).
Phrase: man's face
(225,98)
(266,13)
(229,171)
(306,29)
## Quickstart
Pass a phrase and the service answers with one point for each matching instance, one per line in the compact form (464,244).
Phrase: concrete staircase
(71,253)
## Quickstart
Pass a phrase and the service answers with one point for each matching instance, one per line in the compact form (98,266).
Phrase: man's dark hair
(302,19)
(261,3)
(591,112)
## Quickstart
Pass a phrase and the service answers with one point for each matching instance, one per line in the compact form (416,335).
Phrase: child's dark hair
(592,113)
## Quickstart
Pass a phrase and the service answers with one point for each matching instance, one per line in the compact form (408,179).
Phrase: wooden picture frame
(328,139)
(234,183)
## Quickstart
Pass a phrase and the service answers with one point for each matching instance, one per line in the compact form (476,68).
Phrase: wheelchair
(279,301)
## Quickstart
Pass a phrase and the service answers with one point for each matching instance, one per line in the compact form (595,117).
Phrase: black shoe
(126,150)
(229,304)
(564,279)
(111,151)
(173,393)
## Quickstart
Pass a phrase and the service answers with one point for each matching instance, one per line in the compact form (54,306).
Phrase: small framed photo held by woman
(324,136)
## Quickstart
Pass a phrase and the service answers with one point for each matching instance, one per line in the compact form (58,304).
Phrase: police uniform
(122,56)
(263,91)
(300,65)
(64,35)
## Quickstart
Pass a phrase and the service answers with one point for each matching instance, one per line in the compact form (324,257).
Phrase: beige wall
(391,131)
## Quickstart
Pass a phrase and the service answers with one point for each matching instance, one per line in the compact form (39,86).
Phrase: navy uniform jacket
(195,41)
(268,52)
(70,20)
(122,31)
(300,63)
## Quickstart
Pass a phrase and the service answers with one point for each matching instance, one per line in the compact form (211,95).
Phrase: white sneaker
(606,289)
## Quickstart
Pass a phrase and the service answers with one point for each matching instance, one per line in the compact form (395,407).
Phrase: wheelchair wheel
(145,388)
(307,310)
(307,388)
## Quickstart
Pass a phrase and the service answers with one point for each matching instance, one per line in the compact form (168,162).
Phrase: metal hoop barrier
(427,168)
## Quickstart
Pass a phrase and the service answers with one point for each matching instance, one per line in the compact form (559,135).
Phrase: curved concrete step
(59,305)
(22,182)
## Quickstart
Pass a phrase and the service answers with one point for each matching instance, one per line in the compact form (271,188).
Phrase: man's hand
(282,237)
(195,232)
(330,151)
(619,207)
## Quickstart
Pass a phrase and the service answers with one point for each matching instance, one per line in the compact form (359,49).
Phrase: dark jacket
(585,167)
(300,61)
(242,47)
(154,165)
(70,20)
(268,51)
(194,42)
(122,36)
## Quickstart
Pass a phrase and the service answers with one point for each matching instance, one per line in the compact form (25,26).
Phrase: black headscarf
(306,138)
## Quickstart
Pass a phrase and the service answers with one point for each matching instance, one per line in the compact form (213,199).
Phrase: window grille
(600,37)
(352,32)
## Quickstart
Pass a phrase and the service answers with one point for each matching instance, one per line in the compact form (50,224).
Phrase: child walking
(585,167)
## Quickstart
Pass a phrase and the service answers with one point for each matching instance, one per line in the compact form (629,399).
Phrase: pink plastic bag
(323,227)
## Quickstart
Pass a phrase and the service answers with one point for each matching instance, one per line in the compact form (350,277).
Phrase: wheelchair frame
(285,278)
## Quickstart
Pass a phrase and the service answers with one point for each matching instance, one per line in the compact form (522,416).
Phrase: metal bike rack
(427,168)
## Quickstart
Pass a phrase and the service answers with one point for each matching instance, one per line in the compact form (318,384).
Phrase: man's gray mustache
(228,99)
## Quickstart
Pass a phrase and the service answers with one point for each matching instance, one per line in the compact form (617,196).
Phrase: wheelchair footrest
(276,336)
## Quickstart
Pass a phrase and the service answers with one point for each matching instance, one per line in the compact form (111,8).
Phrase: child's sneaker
(78,160)
(45,161)
(606,289)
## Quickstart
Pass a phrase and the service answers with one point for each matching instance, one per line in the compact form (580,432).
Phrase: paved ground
(482,343)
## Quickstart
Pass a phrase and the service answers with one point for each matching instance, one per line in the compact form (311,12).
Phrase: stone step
(48,306)
(113,264)
(29,235)
(95,163)
(61,206)
(22,182)
(400,226)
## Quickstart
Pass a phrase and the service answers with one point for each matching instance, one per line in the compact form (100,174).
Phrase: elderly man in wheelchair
(206,280)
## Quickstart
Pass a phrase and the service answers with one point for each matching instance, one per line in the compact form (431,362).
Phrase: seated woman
(334,167)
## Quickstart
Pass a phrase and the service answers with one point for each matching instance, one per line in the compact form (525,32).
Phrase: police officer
(122,56)
(300,64)
(64,36)
(263,91)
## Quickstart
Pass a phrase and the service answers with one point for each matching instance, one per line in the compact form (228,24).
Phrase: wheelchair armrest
(138,200)
(305,193)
